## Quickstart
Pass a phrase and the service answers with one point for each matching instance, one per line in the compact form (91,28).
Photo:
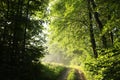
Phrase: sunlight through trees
(84,33)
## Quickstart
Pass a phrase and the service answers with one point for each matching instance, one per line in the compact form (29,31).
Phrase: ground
(78,73)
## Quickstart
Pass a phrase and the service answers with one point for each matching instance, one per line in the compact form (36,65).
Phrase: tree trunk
(92,38)
(111,34)
(100,25)
(26,25)
(5,24)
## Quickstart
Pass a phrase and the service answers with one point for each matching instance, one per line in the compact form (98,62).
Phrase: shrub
(106,66)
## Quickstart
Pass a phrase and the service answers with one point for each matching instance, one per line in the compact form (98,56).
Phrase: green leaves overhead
(88,25)
(68,21)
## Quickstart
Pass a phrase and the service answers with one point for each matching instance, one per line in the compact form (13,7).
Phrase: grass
(51,71)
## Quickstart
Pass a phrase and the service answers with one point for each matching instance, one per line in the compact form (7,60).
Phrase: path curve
(78,73)
(64,74)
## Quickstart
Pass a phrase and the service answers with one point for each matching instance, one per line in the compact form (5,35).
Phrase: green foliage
(70,28)
(51,71)
(106,67)
(68,24)
(21,38)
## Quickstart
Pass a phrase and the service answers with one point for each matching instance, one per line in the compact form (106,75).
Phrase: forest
(59,39)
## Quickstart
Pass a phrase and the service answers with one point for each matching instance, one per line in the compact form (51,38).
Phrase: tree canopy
(91,29)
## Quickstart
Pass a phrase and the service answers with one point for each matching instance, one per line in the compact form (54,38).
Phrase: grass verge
(51,71)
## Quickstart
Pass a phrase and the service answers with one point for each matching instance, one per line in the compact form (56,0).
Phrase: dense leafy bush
(106,66)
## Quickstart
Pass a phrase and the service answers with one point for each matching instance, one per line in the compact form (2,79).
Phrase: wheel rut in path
(79,74)
(64,74)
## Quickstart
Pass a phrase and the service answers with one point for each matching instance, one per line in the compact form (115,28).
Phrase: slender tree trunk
(111,34)
(16,28)
(100,25)
(5,24)
(112,40)
(26,25)
(92,38)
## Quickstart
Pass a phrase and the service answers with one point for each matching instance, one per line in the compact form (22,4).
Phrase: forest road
(79,74)
(64,74)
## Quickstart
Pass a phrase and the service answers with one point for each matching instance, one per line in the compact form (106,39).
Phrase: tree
(86,25)
(21,38)
(93,42)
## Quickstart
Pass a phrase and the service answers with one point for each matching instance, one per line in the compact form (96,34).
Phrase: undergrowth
(105,67)
(51,71)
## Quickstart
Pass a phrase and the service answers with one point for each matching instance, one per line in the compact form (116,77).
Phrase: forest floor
(78,73)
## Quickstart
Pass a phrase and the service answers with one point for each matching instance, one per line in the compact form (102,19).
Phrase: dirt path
(78,73)
(64,74)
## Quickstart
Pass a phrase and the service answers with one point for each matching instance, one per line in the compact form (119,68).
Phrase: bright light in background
(56,54)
